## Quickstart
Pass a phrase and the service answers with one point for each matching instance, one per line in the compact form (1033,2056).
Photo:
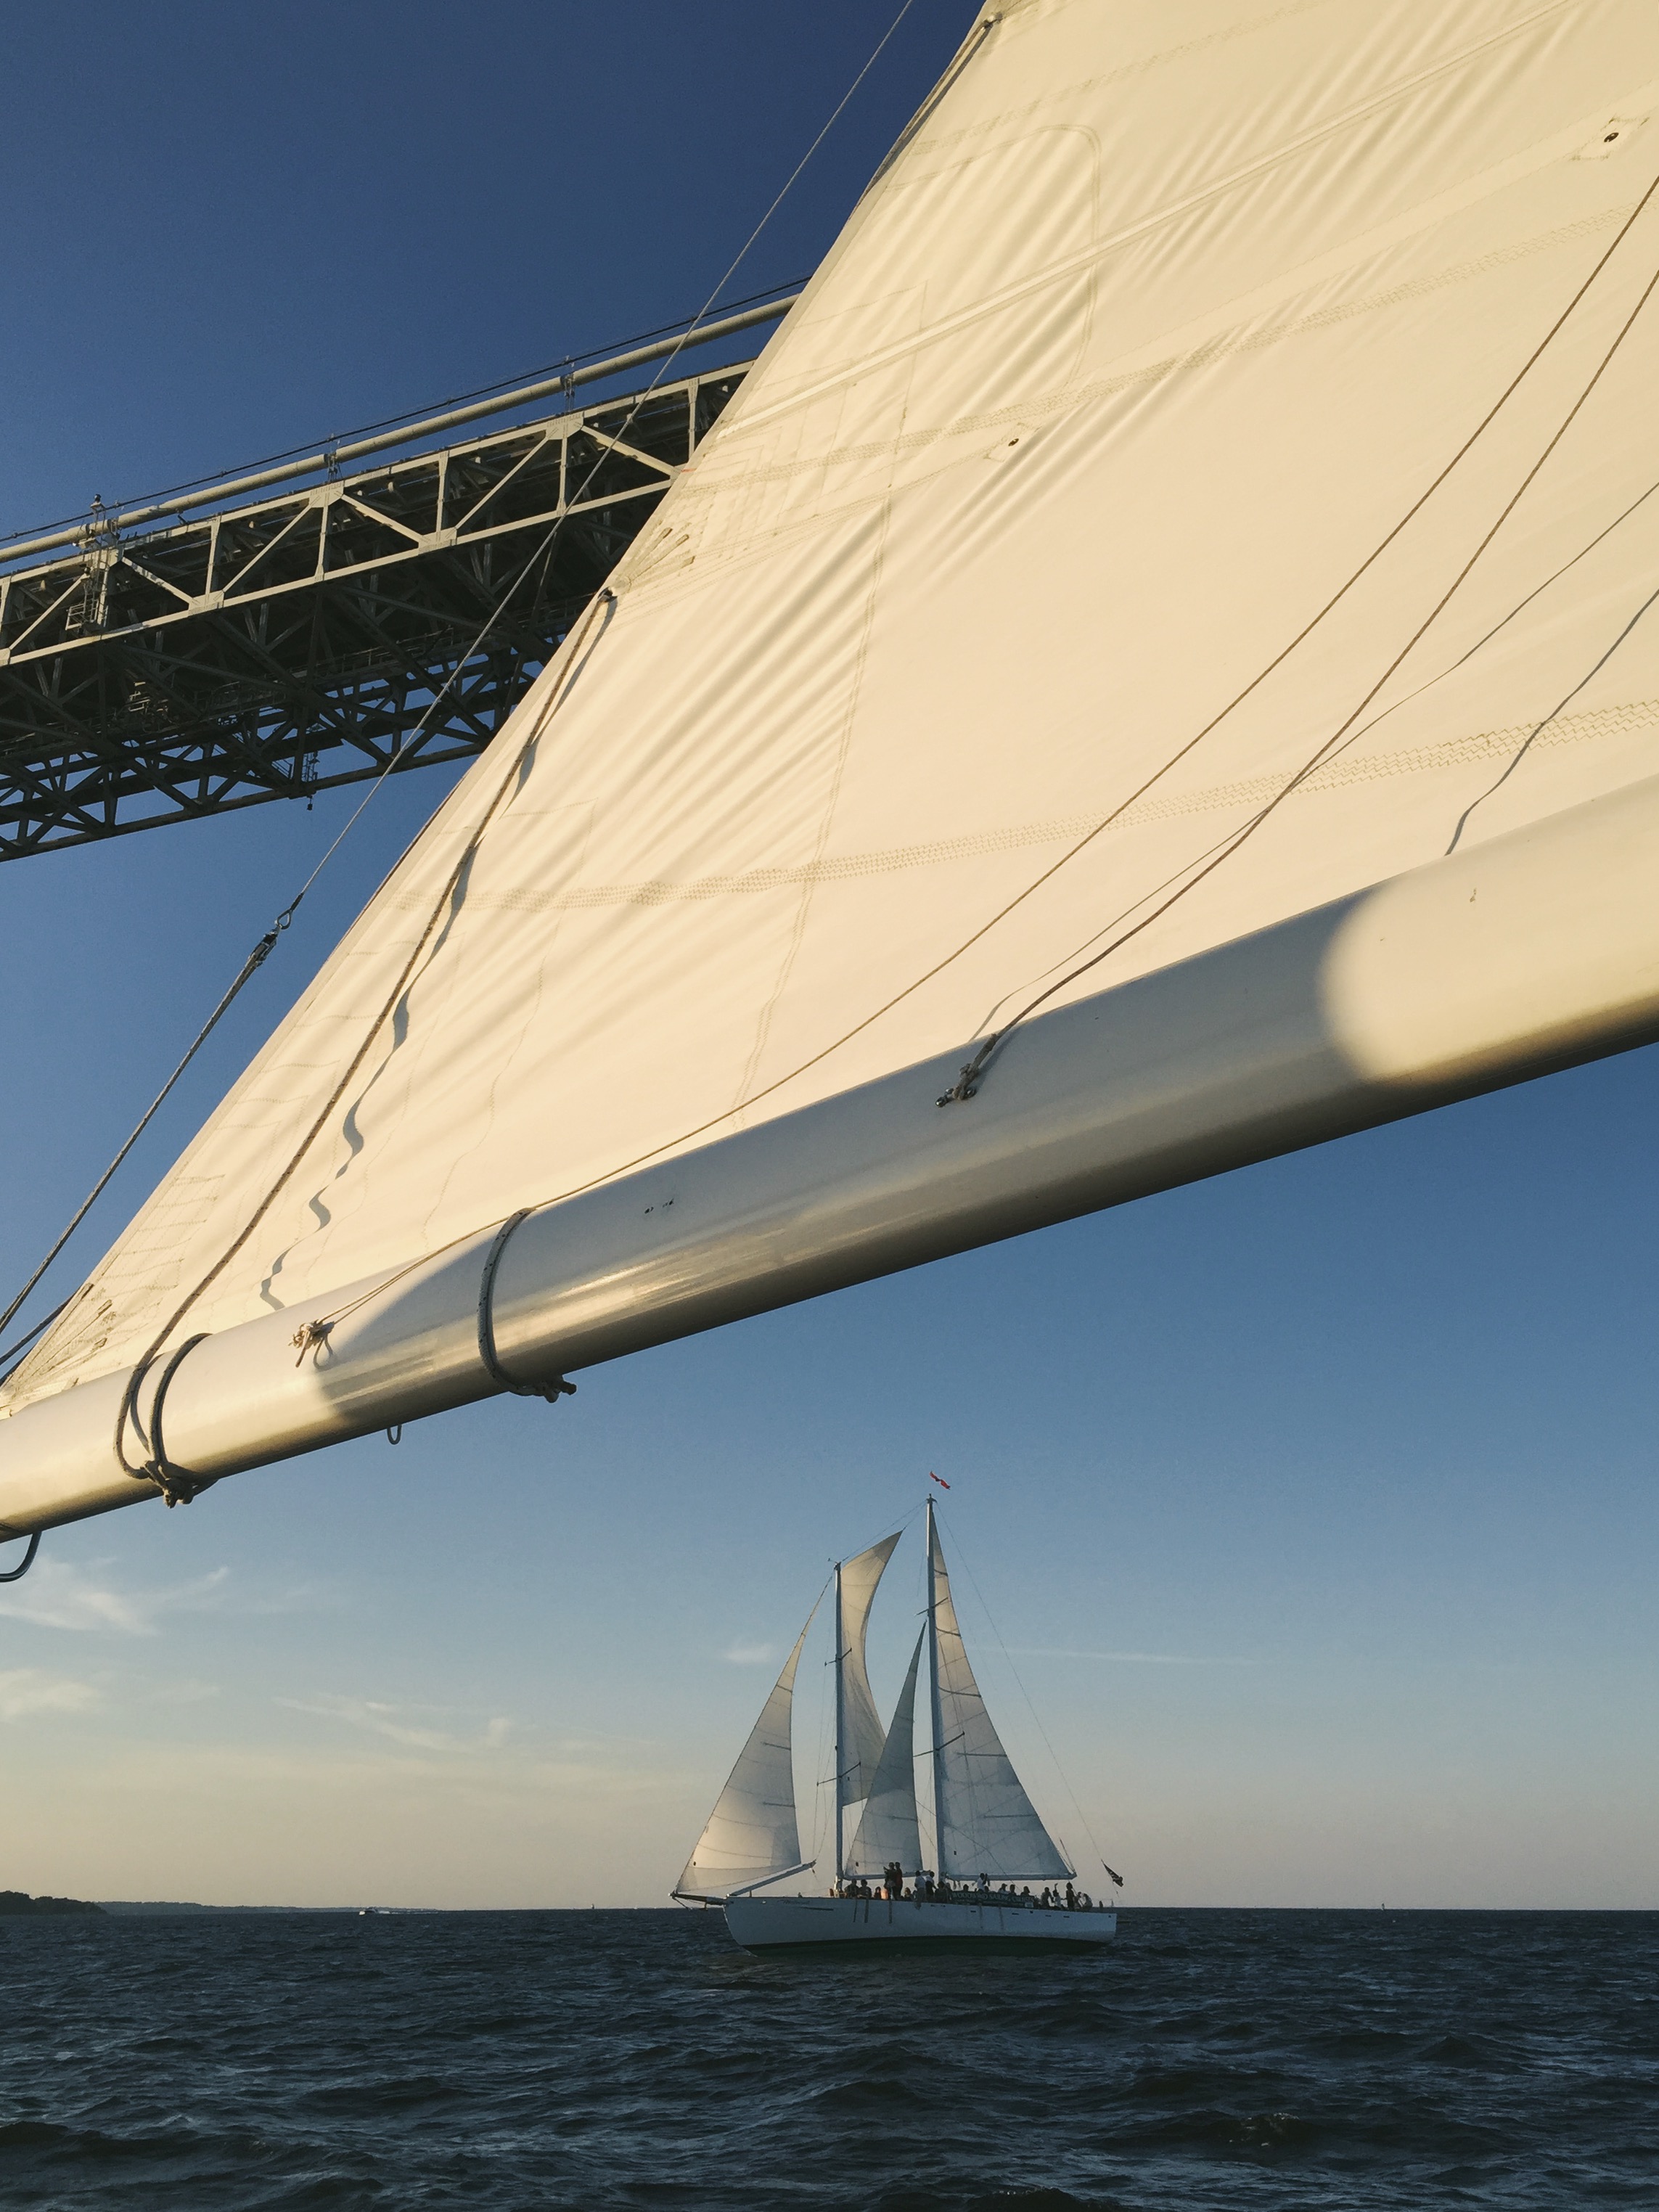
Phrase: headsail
(888,1830)
(861,1733)
(986,1823)
(1151,549)
(752,1834)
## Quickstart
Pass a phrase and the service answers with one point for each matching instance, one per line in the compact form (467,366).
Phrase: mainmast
(840,1724)
(933,1681)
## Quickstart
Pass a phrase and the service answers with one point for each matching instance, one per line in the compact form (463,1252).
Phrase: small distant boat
(997,1878)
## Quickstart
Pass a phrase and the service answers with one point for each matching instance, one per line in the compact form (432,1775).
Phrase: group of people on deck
(932,1889)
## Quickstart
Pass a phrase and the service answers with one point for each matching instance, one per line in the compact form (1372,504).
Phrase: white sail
(888,1833)
(752,1834)
(861,1733)
(1188,423)
(986,1823)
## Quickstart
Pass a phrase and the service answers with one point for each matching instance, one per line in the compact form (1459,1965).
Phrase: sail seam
(1240,337)
(1335,774)
(1077,263)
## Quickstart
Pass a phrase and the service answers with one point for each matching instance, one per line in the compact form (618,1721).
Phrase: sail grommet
(553,1391)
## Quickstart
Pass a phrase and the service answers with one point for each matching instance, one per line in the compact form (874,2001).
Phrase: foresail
(862,1734)
(888,1831)
(752,1831)
(1206,478)
(986,1823)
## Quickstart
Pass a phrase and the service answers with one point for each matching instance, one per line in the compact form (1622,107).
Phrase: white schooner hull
(800,1923)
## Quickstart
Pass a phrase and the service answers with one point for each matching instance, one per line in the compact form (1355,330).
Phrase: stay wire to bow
(1064,1779)
(175,1484)
(255,960)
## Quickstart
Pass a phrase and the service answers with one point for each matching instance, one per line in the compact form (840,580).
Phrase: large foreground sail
(1207,480)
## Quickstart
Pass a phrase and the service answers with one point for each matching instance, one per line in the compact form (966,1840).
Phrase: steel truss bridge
(268,651)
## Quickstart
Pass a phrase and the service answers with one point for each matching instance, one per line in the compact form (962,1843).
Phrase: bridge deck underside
(272,651)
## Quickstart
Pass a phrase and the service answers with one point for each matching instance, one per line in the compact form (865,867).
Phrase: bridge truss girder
(271,650)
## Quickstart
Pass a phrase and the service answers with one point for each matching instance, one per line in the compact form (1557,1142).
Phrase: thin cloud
(396,1723)
(24,1690)
(750,1654)
(59,1594)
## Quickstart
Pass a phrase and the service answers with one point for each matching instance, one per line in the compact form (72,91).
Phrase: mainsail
(858,1732)
(888,1830)
(752,1835)
(1164,625)
(986,1823)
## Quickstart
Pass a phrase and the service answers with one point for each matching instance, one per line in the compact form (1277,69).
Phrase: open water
(1225,2060)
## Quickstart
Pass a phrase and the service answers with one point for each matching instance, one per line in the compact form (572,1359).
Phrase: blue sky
(1313,1506)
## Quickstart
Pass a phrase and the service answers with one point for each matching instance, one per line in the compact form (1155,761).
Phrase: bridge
(166,669)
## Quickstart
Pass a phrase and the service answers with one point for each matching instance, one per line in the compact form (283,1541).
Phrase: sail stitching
(1336,774)
(1013,293)
(967,1081)
(1249,336)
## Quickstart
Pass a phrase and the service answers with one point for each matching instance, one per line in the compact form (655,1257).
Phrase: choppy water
(1221,2060)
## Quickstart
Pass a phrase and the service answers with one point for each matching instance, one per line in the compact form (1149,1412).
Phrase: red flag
(938,1478)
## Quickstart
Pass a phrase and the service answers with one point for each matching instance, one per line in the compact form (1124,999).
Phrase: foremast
(935,1705)
(841,1735)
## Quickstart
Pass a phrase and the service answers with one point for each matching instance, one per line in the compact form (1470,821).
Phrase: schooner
(969,1885)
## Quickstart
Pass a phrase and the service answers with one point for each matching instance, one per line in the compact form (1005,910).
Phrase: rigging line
(260,952)
(1344,735)
(1532,735)
(1052,1754)
(1375,722)
(876,54)
(28,1337)
(255,959)
(389,422)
